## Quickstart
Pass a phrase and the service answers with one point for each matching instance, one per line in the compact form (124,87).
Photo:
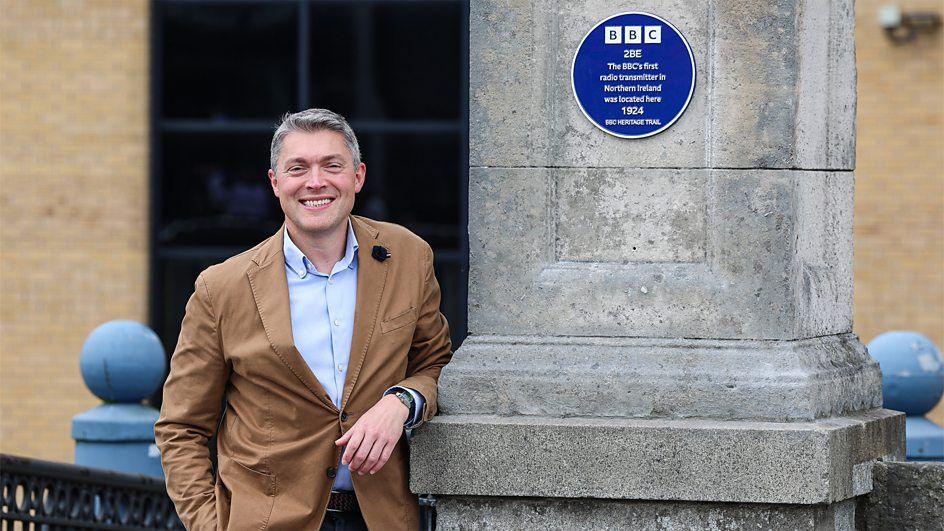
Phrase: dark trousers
(346,521)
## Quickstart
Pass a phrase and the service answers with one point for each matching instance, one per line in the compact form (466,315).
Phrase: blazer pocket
(398,321)
(252,493)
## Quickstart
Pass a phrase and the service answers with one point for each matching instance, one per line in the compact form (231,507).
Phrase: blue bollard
(912,382)
(122,363)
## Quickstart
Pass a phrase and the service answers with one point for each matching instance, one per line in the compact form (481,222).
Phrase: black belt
(342,502)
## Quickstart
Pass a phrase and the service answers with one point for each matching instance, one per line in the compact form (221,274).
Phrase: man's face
(315,181)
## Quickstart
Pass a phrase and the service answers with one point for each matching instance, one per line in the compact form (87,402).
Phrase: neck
(322,249)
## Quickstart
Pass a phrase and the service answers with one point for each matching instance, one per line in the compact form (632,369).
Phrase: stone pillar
(660,329)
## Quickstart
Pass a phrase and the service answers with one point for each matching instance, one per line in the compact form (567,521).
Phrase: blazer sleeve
(190,412)
(431,349)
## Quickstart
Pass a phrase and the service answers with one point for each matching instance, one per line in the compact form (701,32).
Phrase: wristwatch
(406,398)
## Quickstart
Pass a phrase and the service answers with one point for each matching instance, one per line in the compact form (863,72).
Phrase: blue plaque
(633,75)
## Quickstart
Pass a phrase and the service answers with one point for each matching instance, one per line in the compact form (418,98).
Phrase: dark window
(223,74)
(228,61)
(412,168)
(388,60)
(215,189)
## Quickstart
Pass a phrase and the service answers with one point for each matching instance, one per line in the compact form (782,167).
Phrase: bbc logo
(632,34)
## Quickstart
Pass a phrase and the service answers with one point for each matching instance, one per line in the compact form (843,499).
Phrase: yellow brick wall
(899,212)
(73,202)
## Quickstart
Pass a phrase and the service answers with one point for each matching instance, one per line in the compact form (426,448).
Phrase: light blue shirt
(322,309)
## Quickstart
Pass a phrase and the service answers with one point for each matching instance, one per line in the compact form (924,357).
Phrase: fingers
(362,453)
(384,456)
(355,437)
(373,438)
(373,457)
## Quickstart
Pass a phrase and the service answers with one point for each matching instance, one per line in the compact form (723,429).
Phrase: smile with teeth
(317,202)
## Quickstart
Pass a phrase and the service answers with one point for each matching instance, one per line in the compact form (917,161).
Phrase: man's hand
(371,440)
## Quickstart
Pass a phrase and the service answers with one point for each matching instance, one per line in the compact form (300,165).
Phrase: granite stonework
(480,513)
(816,462)
(660,330)
(905,497)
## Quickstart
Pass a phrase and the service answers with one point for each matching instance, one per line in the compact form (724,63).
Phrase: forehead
(313,145)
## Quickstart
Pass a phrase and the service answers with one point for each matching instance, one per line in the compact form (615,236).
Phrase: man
(326,341)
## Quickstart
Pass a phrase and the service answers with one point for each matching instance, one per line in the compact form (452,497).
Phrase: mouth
(316,204)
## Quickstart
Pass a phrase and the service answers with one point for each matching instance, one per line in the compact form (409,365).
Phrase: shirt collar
(300,264)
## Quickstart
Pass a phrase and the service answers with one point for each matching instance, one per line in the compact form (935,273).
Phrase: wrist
(399,405)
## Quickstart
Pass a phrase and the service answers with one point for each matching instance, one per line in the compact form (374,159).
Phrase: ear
(274,182)
(359,176)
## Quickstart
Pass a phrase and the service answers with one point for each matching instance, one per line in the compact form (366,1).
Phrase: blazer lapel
(371,278)
(270,290)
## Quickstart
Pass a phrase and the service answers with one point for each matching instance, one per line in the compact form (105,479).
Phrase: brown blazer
(276,443)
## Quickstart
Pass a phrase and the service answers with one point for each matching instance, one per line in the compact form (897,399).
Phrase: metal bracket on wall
(902,27)
(427,512)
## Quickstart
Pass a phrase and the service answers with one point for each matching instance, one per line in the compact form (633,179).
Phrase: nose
(316,178)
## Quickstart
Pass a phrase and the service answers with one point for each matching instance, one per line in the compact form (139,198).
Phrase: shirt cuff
(416,414)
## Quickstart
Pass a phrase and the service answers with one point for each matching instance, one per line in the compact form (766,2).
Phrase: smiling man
(323,352)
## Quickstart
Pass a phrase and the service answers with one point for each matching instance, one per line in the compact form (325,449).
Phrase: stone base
(468,513)
(775,381)
(818,462)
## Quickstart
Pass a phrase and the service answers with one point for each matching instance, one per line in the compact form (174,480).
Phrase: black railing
(46,495)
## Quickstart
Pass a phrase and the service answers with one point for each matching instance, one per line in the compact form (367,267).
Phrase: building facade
(113,138)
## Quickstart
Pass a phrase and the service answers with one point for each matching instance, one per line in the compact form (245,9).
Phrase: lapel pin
(380,253)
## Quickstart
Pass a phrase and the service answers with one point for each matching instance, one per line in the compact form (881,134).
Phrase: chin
(313,226)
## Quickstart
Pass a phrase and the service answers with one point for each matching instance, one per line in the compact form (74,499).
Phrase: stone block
(740,254)
(668,378)
(906,496)
(574,141)
(775,86)
(684,460)
(480,513)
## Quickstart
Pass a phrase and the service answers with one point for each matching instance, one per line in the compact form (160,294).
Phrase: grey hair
(309,121)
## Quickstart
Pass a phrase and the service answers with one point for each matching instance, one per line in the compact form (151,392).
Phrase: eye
(335,166)
(296,169)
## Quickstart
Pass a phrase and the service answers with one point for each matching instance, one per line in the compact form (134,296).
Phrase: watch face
(405,398)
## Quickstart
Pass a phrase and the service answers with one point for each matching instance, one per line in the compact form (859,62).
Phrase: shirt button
(332,471)
(330,281)
(337,322)
(340,368)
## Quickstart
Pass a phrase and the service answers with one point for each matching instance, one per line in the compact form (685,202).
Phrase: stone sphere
(912,371)
(123,361)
